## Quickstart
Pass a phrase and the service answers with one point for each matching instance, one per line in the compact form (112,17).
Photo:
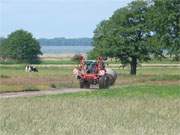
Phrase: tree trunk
(133,66)
(177,58)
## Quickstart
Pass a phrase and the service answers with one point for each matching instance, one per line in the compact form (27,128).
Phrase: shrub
(76,57)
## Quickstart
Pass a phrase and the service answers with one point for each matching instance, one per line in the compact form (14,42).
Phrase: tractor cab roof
(88,62)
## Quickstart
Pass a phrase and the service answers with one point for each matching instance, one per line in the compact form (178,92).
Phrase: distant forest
(65,42)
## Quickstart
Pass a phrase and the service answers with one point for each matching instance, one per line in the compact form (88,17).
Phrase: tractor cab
(90,66)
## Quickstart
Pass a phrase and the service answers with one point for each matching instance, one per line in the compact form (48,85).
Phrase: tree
(165,21)
(2,40)
(125,35)
(21,46)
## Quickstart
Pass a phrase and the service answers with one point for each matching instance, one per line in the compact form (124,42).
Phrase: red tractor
(94,72)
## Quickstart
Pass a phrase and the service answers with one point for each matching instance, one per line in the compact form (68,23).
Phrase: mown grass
(43,61)
(58,62)
(61,60)
(130,110)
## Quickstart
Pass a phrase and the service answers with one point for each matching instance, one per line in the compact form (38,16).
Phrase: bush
(76,57)
(53,85)
(92,54)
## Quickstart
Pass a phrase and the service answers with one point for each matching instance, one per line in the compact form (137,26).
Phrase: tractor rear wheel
(104,82)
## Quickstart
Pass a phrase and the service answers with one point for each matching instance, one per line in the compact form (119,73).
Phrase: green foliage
(140,31)
(21,46)
(125,35)
(76,58)
(165,21)
(93,54)
(2,40)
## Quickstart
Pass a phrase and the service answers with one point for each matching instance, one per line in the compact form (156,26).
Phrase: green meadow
(148,103)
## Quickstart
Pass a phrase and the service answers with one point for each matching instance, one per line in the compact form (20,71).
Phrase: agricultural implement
(91,72)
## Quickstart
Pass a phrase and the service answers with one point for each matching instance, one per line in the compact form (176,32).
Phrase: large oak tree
(125,35)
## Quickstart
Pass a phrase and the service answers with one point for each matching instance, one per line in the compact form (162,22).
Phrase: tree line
(141,31)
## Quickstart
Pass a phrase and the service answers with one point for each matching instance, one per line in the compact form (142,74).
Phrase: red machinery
(92,72)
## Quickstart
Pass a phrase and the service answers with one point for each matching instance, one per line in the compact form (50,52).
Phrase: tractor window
(91,67)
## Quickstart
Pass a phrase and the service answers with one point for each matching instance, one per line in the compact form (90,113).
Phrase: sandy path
(41,93)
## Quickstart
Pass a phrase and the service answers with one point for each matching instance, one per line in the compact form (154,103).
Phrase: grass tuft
(53,85)
(4,76)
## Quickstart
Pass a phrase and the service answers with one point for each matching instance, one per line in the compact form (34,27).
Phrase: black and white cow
(31,68)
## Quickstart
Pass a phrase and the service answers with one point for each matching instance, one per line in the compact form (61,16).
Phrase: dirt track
(41,93)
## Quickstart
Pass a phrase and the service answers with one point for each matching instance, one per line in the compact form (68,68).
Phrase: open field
(16,79)
(58,60)
(128,110)
(148,103)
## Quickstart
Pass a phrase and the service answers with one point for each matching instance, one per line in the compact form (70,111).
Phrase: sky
(56,18)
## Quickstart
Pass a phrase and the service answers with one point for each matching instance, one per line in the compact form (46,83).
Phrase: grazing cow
(31,68)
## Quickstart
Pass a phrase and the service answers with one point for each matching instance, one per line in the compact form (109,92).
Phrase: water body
(65,49)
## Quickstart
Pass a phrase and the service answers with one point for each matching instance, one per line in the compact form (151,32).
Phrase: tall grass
(129,111)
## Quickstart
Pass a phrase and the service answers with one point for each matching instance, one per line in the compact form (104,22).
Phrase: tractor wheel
(81,83)
(104,82)
(84,84)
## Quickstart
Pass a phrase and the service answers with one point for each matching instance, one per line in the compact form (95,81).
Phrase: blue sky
(55,18)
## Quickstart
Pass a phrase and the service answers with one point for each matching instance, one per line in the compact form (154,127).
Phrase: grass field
(128,110)
(61,60)
(147,104)
(16,79)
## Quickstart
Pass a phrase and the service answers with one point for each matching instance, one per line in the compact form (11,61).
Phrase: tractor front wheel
(84,84)
(104,82)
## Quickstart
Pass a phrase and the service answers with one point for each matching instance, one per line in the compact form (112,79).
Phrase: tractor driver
(91,67)
(82,65)
(99,65)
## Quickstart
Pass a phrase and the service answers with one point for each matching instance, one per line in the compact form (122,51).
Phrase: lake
(65,49)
